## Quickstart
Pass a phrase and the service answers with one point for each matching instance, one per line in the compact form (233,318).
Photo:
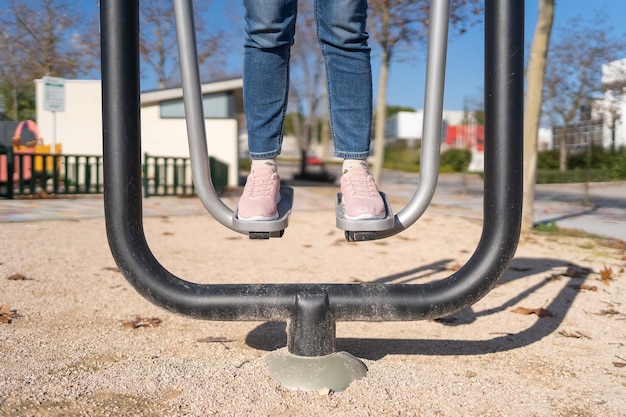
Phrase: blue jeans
(270,26)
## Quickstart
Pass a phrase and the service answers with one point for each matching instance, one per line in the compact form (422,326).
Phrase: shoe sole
(365,216)
(259,218)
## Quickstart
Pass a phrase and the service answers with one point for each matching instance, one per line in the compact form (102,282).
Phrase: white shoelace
(261,186)
(361,185)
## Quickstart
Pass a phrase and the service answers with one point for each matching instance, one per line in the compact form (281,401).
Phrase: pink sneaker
(260,197)
(360,196)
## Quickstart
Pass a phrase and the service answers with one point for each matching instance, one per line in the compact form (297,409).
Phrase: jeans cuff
(352,155)
(264,155)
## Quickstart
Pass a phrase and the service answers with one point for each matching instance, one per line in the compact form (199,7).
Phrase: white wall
(168,137)
(79,128)
(614,104)
(614,73)
(410,125)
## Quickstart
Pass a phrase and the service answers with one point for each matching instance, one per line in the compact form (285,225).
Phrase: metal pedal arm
(431,135)
(192,98)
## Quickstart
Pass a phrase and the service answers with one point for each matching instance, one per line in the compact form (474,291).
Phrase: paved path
(456,194)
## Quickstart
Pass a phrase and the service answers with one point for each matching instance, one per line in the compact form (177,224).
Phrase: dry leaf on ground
(540,312)
(609,312)
(214,339)
(138,322)
(520,268)
(576,272)
(584,287)
(16,277)
(575,334)
(6,314)
(454,267)
(606,275)
(554,277)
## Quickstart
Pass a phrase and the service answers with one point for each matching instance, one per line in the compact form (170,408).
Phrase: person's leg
(343,40)
(270,26)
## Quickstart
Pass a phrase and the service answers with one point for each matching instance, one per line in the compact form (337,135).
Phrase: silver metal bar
(433,116)
(196,132)
(192,98)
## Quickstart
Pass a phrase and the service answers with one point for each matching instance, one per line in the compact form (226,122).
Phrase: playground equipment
(30,157)
(312,310)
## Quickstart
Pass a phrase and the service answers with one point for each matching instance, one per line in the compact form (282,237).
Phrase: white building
(614,105)
(409,126)
(79,128)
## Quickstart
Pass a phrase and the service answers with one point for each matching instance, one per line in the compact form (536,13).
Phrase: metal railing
(24,173)
(29,173)
(163,175)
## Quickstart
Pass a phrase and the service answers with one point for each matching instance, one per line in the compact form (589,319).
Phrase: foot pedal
(361,230)
(265,229)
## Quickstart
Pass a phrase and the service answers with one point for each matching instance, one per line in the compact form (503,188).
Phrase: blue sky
(464,75)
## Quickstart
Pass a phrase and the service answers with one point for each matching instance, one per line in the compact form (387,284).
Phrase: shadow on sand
(272,335)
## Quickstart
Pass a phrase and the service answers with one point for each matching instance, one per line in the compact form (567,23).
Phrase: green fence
(164,175)
(27,173)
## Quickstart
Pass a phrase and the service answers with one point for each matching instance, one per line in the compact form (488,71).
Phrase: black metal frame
(313,309)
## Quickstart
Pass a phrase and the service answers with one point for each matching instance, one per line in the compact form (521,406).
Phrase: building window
(214,106)
(578,135)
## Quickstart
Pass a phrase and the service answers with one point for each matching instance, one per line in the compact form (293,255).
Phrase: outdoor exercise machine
(312,310)
(355,230)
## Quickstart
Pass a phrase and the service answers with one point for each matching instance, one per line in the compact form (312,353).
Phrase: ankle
(265,163)
(348,164)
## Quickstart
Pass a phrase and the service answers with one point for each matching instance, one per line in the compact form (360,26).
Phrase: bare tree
(573,74)
(395,25)
(532,112)
(13,82)
(158,43)
(40,38)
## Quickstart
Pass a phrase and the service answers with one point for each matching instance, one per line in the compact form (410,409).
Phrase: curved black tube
(372,302)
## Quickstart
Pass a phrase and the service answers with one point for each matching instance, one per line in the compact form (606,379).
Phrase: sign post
(54,101)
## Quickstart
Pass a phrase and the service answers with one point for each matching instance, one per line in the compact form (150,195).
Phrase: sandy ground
(70,348)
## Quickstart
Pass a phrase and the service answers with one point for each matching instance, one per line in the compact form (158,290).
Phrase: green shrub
(399,156)
(455,160)
(547,227)
(573,175)
(618,165)
(596,159)
(604,165)
(548,160)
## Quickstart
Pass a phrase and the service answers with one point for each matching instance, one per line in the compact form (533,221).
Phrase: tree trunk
(563,149)
(325,133)
(532,113)
(381,116)
(15,104)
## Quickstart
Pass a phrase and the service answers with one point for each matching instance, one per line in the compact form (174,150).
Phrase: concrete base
(334,372)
